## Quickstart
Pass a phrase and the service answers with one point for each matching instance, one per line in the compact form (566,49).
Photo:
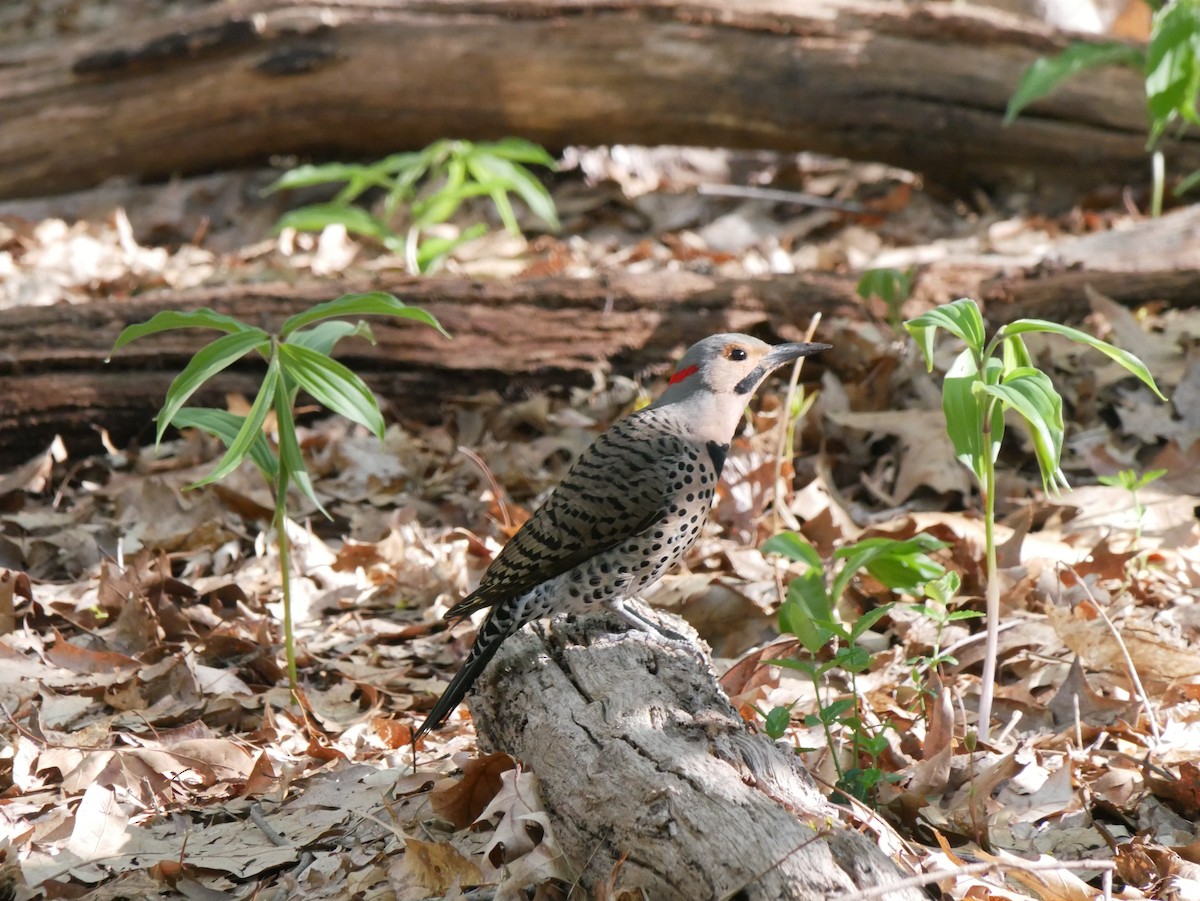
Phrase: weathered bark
(647,771)
(511,337)
(920,85)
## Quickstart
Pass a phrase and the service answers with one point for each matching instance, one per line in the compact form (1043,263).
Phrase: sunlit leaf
(291,460)
(965,414)
(793,546)
(251,430)
(207,362)
(170,319)
(1031,394)
(225,426)
(1046,74)
(324,336)
(319,216)
(333,385)
(374,303)
(1123,357)
(960,318)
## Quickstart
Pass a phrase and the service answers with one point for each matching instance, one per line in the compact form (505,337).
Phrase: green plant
(429,185)
(1133,483)
(808,612)
(1170,66)
(978,388)
(939,593)
(891,286)
(297,358)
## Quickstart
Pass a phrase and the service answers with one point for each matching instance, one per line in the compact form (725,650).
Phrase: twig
(785,425)
(260,820)
(497,492)
(1139,691)
(997,866)
(749,192)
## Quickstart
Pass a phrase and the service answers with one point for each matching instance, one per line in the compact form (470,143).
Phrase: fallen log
(651,779)
(920,85)
(511,337)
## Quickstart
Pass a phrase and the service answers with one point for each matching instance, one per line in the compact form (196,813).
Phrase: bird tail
(487,643)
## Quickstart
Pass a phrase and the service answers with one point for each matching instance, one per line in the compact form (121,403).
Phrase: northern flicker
(627,511)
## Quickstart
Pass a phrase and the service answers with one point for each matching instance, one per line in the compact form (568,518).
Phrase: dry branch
(922,85)
(645,766)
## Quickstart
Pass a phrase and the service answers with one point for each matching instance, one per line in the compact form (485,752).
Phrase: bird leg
(623,609)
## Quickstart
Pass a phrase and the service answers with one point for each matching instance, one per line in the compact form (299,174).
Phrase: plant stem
(993,591)
(837,764)
(285,577)
(1158,178)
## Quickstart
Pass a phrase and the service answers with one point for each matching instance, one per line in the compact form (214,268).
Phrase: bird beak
(784,353)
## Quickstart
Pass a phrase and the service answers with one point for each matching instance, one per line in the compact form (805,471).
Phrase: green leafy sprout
(297,358)
(808,613)
(1170,67)
(1133,483)
(985,380)
(428,186)
(892,286)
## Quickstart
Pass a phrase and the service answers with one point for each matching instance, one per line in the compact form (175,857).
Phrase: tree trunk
(648,773)
(920,85)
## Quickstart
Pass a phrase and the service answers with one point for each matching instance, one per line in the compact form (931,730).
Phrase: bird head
(717,376)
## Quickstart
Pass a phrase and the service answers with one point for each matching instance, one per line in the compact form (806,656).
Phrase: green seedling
(891,286)
(298,357)
(988,378)
(423,189)
(1132,482)
(808,613)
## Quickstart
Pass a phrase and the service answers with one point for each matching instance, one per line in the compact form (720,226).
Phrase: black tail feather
(487,643)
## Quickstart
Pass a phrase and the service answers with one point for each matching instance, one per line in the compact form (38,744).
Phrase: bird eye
(733,352)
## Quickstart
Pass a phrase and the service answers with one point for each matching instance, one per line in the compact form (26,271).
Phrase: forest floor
(150,747)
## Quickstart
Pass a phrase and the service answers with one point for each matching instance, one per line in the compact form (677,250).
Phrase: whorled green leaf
(250,431)
(1046,74)
(807,613)
(291,460)
(206,363)
(307,176)
(890,285)
(503,175)
(518,150)
(1187,184)
(776,722)
(899,565)
(225,426)
(793,546)
(171,319)
(324,336)
(943,589)
(965,412)
(1015,353)
(332,384)
(1031,394)
(432,250)
(960,318)
(867,620)
(1123,357)
(374,303)
(319,216)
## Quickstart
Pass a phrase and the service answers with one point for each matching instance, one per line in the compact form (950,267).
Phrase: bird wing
(618,488)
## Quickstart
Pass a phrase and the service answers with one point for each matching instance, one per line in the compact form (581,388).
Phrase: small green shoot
(1170,67)
(427,187)
(985,380)
(891,286)
(1133,483)
(939,595)
(808,612)
(297,358)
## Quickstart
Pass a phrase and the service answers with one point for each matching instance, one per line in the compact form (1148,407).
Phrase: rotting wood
(647,772)
(920,85)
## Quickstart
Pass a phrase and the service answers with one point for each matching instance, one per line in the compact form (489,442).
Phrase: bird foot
(641,623)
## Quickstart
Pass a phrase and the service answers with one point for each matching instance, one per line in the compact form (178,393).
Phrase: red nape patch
(683,374)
